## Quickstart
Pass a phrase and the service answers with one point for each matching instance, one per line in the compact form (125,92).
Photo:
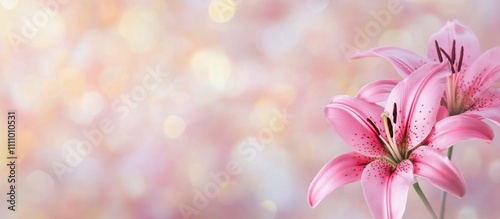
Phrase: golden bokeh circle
(221,11)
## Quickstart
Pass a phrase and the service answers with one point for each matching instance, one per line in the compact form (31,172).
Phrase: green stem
(417,188)
(445,194)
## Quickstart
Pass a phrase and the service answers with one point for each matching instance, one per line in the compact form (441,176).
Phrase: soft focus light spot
(211,66)
(494,171)
(92,103)
(319,36)
(109,47)
(133,184)
(31,89)
(22,96)
(84,109)
(271,188)
(179,97)
(470,159)
(245,74)
(260,115)
(286,93)
(428,24)
(467,213)
(453,8)
(108,11)
(279,38)
(52,34)
(51,88)
(72,82)
(29,139)
(396,37)
(231,193)
(174,126)
(113,81)
(140,28)
(196,172)
(269,206)
(39,184)
(9,4)
(317,6)
(6,27)
(221,11)
(422,1)
(220,71)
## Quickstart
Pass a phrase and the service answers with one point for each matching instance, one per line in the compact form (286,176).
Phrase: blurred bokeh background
(207,108)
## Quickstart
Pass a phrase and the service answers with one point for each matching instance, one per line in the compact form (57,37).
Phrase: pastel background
(222,99)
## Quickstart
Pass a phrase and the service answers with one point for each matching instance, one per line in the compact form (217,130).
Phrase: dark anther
(449,60)
(438,51)
(395,113)
(389,124)
(453,53)
(461,58)
(373,125)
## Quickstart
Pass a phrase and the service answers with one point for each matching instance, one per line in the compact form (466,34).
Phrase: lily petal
(487,106)
(339,171)
(442,113)
(377,91)
(349,117)
(463,36)
(404,61)
(481,75)
(417,100)
(434,166)
(386,191)
(454,129)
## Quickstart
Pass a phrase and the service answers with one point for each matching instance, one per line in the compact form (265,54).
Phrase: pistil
(391,141)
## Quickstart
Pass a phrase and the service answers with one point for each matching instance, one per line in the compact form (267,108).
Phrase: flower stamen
(373,126)
(391,141)
(461,58)
(438,51)
(395,113)
(453,56)
(449,60)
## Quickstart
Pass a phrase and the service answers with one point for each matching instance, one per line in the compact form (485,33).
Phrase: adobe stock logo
(372,28)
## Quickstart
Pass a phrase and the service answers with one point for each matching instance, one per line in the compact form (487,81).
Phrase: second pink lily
(469,86)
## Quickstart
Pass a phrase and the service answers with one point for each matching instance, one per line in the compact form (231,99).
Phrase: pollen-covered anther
(449,60)
(373,126)
(460,59)
(395,113)
(453,52)
(438,51)
(388,124)
(452,57)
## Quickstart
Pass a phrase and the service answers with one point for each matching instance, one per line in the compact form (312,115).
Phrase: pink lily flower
(469,86)
(394,144)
